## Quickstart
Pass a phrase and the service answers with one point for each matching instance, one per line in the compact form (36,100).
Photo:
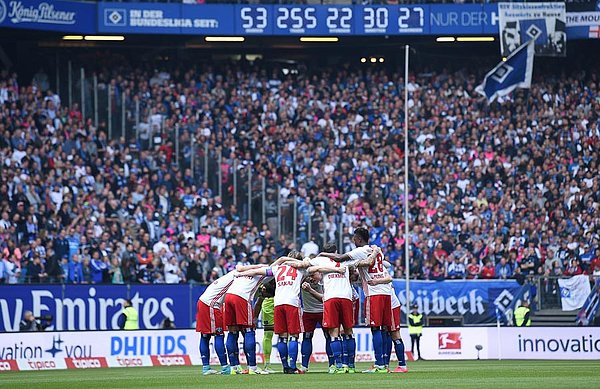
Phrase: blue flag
(513,73)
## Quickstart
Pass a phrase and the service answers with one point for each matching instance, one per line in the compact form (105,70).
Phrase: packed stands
(242,162)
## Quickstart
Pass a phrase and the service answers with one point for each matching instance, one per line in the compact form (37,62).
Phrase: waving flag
(574,292)
(513,73)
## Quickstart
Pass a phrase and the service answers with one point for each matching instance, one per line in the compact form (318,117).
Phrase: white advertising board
(98,349)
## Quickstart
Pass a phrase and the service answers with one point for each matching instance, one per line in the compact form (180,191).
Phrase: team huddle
(328,299)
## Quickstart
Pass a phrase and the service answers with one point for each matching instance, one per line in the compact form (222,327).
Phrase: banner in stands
(100,349)
(474,300)
(64,16)
(583,19)
(574,291)
(98,307)
(543,22)
(588,315)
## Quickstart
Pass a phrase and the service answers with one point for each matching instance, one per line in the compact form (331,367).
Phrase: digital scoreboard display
(298,20)
(332,20)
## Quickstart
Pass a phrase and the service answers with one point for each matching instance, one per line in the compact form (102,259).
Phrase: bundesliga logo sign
(449,341)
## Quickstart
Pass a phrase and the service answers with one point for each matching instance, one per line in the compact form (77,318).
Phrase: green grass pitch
(421,375)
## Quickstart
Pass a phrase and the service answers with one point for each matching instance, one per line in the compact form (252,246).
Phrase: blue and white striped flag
(513,73)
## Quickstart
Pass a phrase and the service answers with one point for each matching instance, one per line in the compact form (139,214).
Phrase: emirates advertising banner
(107,349)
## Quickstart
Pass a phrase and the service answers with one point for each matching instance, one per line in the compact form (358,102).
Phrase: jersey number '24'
(287,271)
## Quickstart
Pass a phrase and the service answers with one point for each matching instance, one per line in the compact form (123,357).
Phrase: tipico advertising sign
(101,349)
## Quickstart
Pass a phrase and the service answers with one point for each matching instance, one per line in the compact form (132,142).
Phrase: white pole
(498,337)
(406,239)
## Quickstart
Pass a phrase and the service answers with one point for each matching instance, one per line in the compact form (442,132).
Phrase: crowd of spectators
(500,191)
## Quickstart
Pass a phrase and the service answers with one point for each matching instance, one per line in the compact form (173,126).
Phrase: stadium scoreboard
(331,20)
(298,20)
(75,17)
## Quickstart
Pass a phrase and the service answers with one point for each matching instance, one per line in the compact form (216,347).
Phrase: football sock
(387,347)
(351,349)
(307,348)
(250,346)
(233,350)
(377,345)
(328,350)
(205,349)
(399,346)
(267,346)
(344,351)
(336,348)
(293,351)
(283,352)
(220,349)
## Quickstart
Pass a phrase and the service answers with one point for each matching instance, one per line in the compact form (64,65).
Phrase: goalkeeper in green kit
(266,304)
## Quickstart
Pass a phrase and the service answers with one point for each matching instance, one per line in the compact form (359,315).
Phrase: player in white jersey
(312,304)
(337,303)
(392,337)
(238,316)
(209,320)
(288,313)
(378,303)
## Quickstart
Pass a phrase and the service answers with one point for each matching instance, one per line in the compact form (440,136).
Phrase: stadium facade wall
(101,349)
